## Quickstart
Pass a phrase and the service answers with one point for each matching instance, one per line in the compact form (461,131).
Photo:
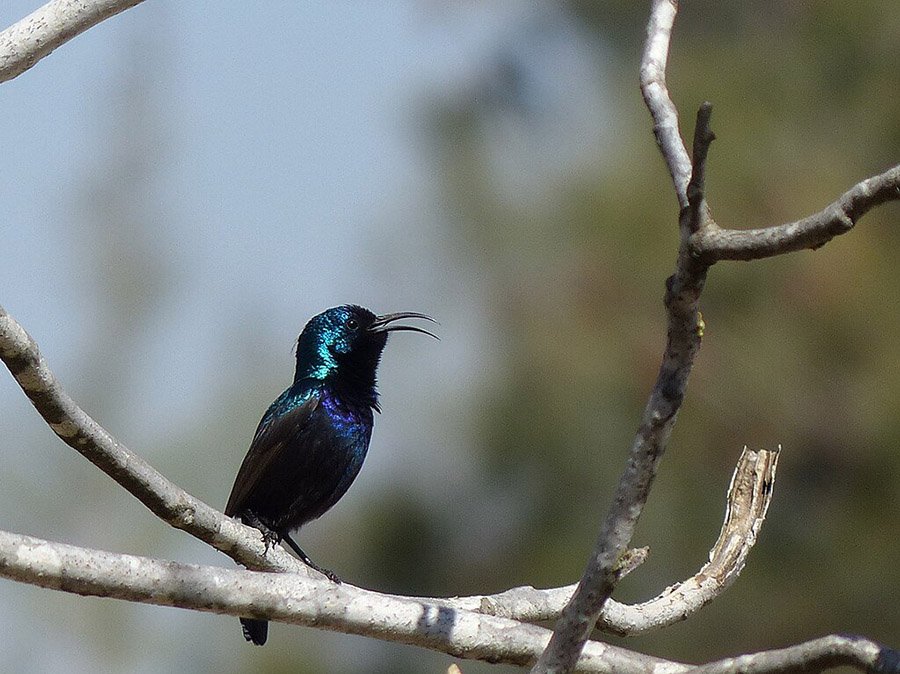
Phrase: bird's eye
(352,323)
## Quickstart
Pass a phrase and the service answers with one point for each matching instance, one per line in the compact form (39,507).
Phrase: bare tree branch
(273,596)
(683,290)
(28,41)
(835,650)
(656,95)
(685,326)
(599,578)
(22,356)
(684,330)
(749,496)
(314,602)
(169,502)
(714,244)
(300,600)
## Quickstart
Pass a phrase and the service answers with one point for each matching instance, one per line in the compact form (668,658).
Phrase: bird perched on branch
(311,442)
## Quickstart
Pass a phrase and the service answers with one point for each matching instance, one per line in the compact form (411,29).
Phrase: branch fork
(702,244)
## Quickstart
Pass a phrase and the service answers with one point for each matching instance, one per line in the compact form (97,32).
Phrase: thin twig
(28,41)
(835,650)
(749,495)
(696,189)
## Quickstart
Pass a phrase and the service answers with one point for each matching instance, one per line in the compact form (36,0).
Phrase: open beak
(383,323)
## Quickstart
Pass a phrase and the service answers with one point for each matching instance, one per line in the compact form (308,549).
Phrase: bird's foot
(270,537)
(330,575)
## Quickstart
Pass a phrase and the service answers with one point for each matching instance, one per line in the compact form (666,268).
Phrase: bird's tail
(254,630)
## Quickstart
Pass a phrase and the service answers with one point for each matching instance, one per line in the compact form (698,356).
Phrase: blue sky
(288,172)
(289,153)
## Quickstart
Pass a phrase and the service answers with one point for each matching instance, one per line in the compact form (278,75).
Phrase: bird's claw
(331,575)
(270,539)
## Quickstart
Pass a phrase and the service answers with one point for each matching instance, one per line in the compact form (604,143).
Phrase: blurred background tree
(493,165)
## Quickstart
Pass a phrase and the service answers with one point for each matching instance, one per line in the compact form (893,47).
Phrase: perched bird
(311,442)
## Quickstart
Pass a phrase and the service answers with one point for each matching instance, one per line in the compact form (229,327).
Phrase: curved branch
(749,495)
(657,99)
(835,650)
(300,600)
(28,41)
(714,244)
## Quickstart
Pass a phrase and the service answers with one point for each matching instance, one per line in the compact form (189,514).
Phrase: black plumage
(311,442)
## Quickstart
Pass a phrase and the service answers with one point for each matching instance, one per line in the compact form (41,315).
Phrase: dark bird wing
(275,431)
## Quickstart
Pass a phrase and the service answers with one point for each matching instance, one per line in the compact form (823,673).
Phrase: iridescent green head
(346,342)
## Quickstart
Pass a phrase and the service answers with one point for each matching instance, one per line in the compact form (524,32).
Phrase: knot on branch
(183,515)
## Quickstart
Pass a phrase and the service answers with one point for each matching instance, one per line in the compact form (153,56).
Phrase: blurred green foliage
(799,351)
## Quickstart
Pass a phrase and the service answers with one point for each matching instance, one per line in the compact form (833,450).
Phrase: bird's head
(346,342)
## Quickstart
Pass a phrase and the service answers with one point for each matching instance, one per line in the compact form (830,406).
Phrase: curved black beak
(383,323)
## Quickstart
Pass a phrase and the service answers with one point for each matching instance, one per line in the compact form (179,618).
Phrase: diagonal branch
(600,575)
(714,244)
(165,499)
(28,41)
(684,331)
